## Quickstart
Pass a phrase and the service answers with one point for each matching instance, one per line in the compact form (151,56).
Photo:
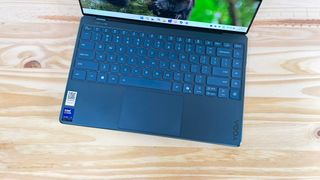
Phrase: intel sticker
(68,114)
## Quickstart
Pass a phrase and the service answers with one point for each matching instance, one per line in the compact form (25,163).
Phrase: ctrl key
(79,74)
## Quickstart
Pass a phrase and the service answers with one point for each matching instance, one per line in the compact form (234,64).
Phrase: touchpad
(151,113)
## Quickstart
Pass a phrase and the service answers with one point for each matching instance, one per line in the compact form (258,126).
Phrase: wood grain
(282,107)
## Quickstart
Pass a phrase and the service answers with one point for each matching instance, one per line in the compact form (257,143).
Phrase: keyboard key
(236,73)
(183,57)
(145,83)
(132,61)
(238,46)
(163,55)
(111,58)
(223,72)
(235,83)
(194,59)
(177,76)
(91,76)
(195,68)
(211,91)
(88,55)
(198,41)
(205,70)
(208,93)
(209,43)
(115,68)
(226,62)
(121,49)
(215,61)
(79,74)
(198,90)
(102,77)
(168,75)
(189,48)
(110,48)
(223,93)
(86,45)
(142,52)
(217,44)
(147,73)
(223,82)
(97,29)
(157,74)
(189,40)
(235,94)
(168,46)
(177,87)
(96,36)
(185,67)
(204,60)
(174,66)
(87,28)
(200,79)
(200,49)
(122,59)
(224,52)
(153,53)
(104,67)
(179,47)
(210,51)
(113,79)
(227,45)
(86,35)
(173,57)
(137,71)
(188,88)
(188,78)
(237,63)
(164,65)
(100,47)
(125,70)
(89,65)
(100,57)
(154,64)
(238,53)
(180,39)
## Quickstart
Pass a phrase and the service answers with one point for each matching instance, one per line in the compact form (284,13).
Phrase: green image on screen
(226,12)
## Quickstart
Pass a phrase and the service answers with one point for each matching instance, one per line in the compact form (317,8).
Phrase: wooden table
(282,109)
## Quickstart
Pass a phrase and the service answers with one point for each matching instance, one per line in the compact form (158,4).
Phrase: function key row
(88,29)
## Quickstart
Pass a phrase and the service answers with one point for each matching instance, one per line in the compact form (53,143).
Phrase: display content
(234,15)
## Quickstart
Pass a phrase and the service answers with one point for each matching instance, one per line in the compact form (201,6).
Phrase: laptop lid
(234,16)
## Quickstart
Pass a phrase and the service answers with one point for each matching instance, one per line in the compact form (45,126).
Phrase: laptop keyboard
(162,62)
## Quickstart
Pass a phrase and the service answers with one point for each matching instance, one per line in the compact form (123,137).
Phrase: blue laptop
(173,68)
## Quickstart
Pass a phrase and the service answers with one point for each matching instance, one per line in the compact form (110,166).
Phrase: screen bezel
(177,26)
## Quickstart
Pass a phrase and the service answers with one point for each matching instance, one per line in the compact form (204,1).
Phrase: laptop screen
(229,15)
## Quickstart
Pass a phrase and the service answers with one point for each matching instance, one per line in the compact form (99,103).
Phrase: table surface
(281,136)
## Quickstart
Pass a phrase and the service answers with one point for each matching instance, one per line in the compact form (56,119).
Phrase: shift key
(222,82)
(89,65)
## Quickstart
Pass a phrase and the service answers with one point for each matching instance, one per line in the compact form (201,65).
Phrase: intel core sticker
(68,114)
(71,98)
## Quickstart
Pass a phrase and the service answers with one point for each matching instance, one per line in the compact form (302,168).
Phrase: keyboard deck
(162,62)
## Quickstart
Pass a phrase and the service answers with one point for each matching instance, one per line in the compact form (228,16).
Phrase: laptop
(173,68)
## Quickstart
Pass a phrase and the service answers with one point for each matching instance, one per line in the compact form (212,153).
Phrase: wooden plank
(282,117)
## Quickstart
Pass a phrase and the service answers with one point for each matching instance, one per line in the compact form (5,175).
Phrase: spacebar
(145,83)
